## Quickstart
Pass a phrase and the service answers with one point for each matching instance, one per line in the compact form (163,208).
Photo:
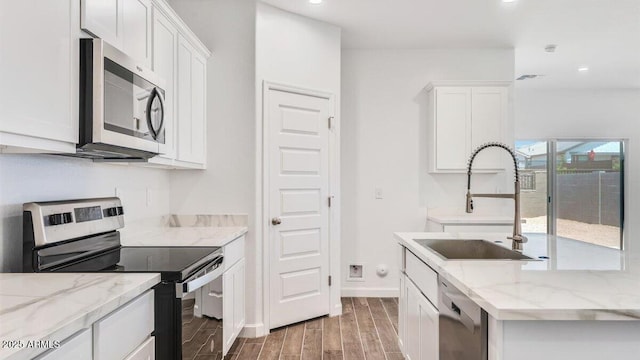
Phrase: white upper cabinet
(125,24)
(103,19)
(463,116)
(39,96)
(191,104)
(39,74)
(165,47)
(136,29)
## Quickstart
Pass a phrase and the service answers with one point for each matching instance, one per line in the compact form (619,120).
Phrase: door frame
(262,205)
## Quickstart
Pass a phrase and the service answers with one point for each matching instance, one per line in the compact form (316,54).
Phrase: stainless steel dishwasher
(463,325)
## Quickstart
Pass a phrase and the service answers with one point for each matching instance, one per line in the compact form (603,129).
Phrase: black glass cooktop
(158,259)
(170,262)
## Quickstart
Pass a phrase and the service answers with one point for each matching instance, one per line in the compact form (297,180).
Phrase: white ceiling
(602,34)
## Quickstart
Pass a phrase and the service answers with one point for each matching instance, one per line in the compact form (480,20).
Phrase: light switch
(378,193)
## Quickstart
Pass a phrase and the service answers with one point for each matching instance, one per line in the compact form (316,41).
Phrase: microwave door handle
(155,94)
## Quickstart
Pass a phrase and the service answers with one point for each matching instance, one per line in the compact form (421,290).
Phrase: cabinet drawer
(146,351)
(75,347)
(122,331)
(233,252)
(423,276)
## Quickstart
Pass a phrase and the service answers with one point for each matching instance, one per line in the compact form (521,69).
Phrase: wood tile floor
(367,329)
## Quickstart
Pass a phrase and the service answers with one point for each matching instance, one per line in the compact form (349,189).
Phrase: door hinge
(330,121)
(329,280)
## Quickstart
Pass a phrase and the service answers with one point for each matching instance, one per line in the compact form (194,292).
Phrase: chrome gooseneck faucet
(518,238)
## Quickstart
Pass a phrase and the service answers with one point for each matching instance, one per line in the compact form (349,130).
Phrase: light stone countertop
(180,236)
(579,281)
(54,306)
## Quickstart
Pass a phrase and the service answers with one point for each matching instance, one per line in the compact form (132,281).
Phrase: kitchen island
(578,301)
(45,312)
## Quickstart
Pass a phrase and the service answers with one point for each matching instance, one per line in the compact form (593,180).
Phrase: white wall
(227,28)
(298,51)
(26,178)
(588,113)
(384,144)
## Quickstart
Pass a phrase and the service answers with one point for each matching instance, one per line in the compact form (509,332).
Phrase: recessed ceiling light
(508,1)
(583,68)
(315,2)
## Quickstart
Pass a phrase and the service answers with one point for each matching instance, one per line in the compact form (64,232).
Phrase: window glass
(589,191)
(587,203)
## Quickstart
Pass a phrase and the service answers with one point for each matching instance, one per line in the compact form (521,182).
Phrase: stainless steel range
(83,236)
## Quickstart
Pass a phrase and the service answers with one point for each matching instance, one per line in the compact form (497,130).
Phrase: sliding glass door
(573,189)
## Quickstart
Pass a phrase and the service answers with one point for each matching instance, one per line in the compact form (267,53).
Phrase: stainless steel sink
(450,249)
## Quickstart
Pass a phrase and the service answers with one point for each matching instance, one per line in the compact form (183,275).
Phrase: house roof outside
(571,147)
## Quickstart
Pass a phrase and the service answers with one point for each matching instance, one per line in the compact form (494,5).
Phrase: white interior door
(298,163)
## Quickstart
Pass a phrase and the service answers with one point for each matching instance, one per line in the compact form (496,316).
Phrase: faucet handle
(469,203)
(518,238)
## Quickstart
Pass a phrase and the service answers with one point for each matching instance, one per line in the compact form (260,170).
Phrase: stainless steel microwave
(121,106)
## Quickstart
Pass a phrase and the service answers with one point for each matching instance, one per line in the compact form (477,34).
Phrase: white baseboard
(336,310)
(370,292)
(253,330)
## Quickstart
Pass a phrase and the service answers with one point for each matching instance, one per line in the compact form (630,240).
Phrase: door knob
(276,221)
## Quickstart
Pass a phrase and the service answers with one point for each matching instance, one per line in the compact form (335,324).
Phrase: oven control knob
(109,212)
(66,218)
(56,219)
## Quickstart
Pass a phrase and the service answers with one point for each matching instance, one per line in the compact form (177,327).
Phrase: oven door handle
(200,280)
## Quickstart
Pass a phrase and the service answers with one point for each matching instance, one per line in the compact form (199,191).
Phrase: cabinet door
(488,116)
(136,30)
(428,317)
(422,325)
(412,329)
(402,314)
(233,304)
(452,122)
(77,347)
(198,113)
(185,128)
(39,92)
(103,18)
(165,46)
(191,103)
(146,351)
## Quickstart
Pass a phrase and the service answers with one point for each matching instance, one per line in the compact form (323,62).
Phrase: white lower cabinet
(402,314)
(421,332)
(120,333)
(124,334)
(146,351)
(417,316)
(233,312)
(76,347)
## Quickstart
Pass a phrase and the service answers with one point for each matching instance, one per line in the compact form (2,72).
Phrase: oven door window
(127,99)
